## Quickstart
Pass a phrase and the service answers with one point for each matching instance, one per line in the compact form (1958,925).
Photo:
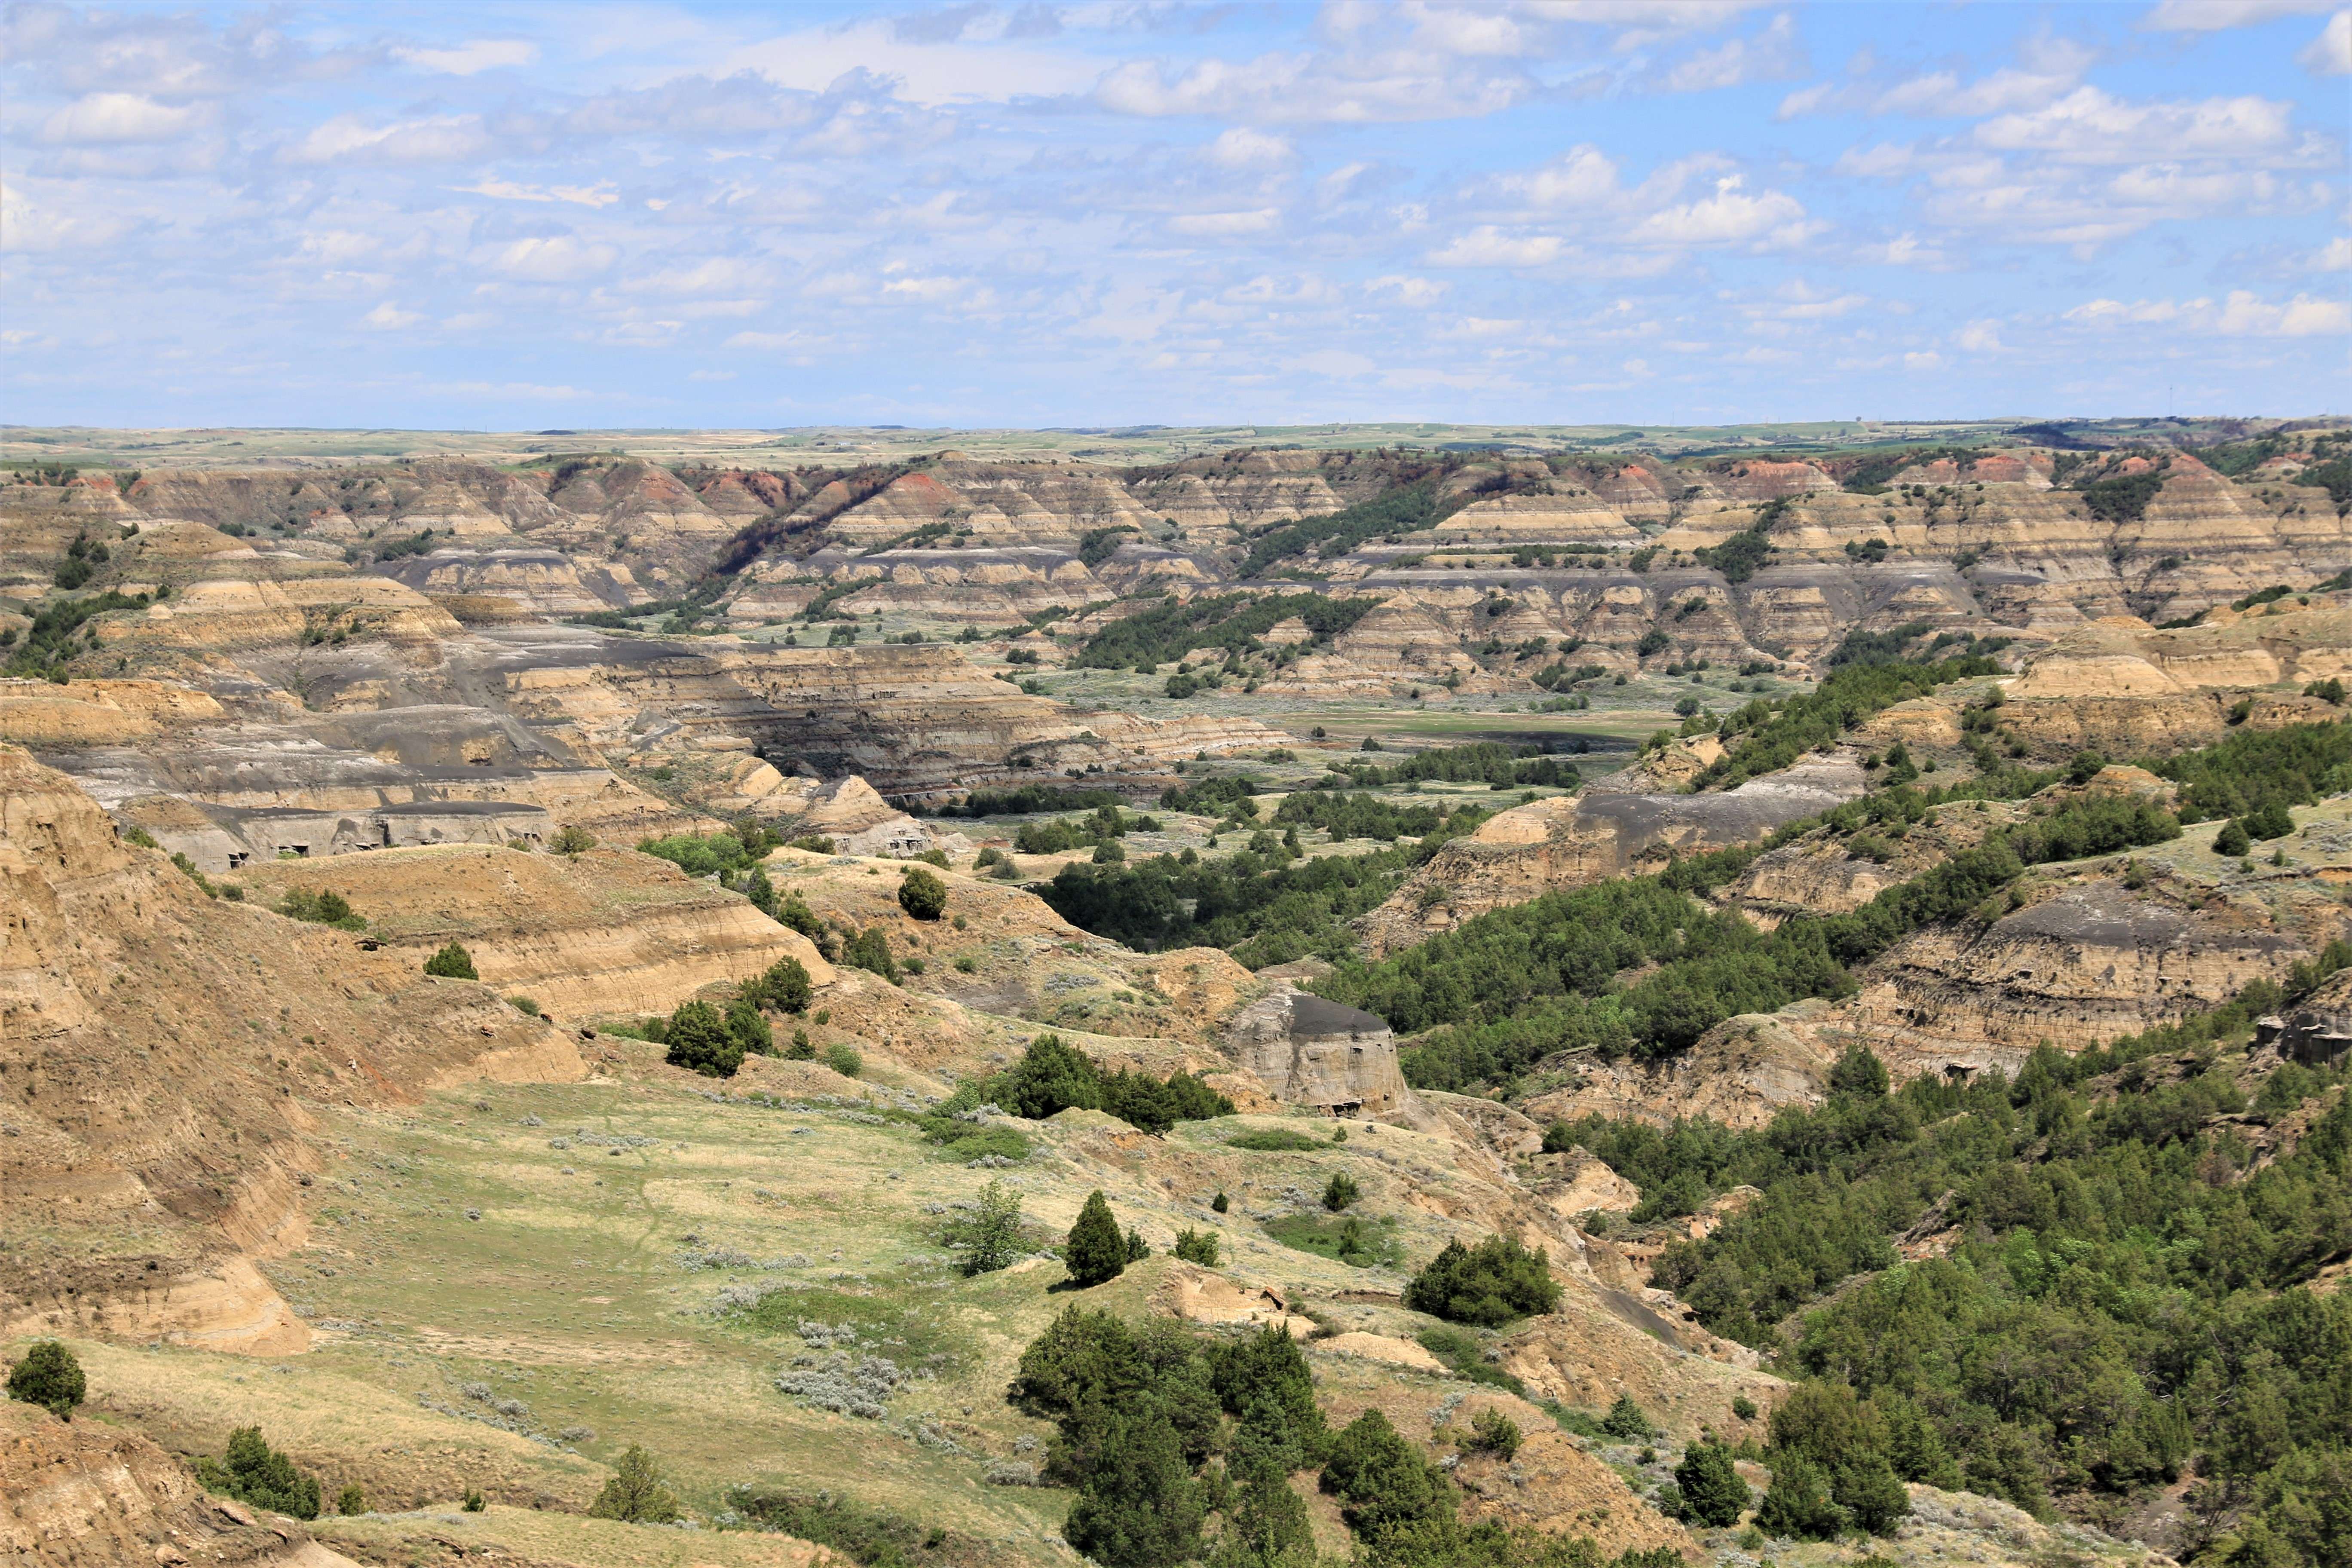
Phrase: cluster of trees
(1234,621)
(1767,736)
(324,907)
(1739,556)
(2117,1311)
(1258,904)
(701,1038)
(251,1471)
(1103,825)
(1490,1284)
(1520,982)
(734,851)
(1028,800)
(2255,771)
(1479,761)
(1051,1077)
(1181,1450)
(47,645)
(1368,816)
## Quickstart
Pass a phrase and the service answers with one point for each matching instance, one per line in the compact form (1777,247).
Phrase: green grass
(1363,1243)
(1277,1141)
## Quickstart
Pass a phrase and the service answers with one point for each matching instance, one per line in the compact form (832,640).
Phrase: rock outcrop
(1310,1051)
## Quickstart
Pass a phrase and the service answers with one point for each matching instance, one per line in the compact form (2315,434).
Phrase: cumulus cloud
(1489,246)
(557,258)
(1730,217)
(2212,15)
(2242,314)
(1418,292)
(600,194)
(2330,54)
(2090,125)
(1243,148)
(390,318)
(1256,220)
(1769,56)
(117,117)
(1980,337)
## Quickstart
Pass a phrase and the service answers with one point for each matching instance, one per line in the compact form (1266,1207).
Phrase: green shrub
(1274,1141)
(1341,1192)
(1197,1247)
(2232,841)
(1492,1432)
(843,1058)
(748,1028)
(1221,1202)
(49,1376)
(527,1006)
(1493,1283)
(1712,1495)
(634,1494)
(786,986)
(989,1235)
(322,907)
(922,894)
(1798,1504)
(1094,1252)
(1138,1249)
(451,963)
(700,1041)
(251,1471)
(1384,1486)
(870,950)
(870,1537)
(1627,1422)
(352,1501)
(474,1501)
(573,839)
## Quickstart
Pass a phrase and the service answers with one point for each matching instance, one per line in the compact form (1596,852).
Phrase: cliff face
(603,932)
(1308,1051)
(160,1051)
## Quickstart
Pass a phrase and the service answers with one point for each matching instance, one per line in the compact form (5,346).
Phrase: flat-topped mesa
(1310,1051)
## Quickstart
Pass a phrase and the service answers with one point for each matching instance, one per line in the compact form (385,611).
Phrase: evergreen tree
(698,1040)
(760,891)
(1266,1523)
(1869,1492)
(1383,1484)
(1139,1506)
(748,1029)
(1797,1505)
(1713,1494)
(451,963)
(786,986)
(1859,1072)
(2233,842)
(1263,1380)
(1094,1252)
(50,1377)
(635,1494)
(990,1236)
(922,894)
(252,1471)
(1341,1192)
(1489,1284)
(1197,1247)
(1138,1249)
(1627,1422)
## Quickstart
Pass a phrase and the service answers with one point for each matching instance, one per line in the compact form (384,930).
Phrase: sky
(1118,212)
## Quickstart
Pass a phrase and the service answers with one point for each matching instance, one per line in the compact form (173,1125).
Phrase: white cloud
(1243,148)
(561,258)
(2242,314)
(1929,360)
(473,57)
(348,139)
(763,341)
(2088,125)
(1980,337)
(1769,56)
(2330,54)
(1578,177)
(1256,220)
(2336,256)
(115,117)
(1730,217)
(1418,292)
(1488,246)
(2212,15)
(600,194)
(1296,87)
(390,318)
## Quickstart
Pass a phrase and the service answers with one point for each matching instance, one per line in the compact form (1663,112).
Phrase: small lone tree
(50,1377)
(922,894)
(1197,1247)
(452,963)
(252,1471)
(1492,1432)
(700,1042)
(635,1494)
(352,1501)
(748,1028)
(1627,1422)
(990,1235)
(1094,1253)
(573,839)
(1138,1249)
(786,986)
(1341,1192)
(1859,1073)
(1713,1494)
(2231,843)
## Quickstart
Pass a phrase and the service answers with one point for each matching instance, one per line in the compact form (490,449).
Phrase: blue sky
(1556,211)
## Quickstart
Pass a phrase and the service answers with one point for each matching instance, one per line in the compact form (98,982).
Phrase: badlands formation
(446,1235)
